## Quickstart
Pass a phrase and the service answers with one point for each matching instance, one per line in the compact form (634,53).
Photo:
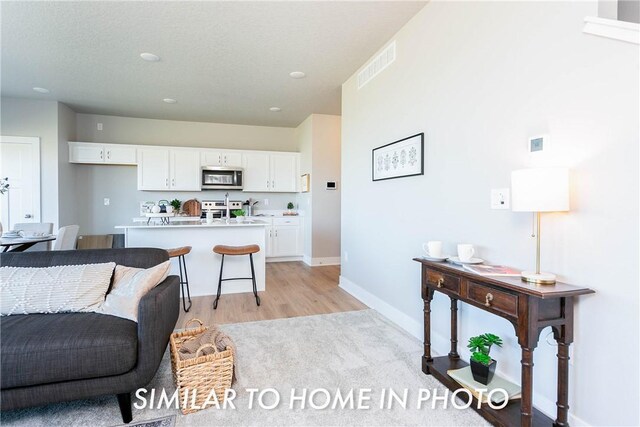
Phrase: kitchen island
(203,266)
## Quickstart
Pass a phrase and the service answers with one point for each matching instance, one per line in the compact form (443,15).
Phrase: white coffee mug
(465,251)
(433,248)
(169,209)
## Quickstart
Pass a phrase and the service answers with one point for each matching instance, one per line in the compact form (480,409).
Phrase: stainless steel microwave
(220,178)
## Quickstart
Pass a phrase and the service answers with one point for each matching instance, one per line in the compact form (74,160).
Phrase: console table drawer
(442,281)
(493,299)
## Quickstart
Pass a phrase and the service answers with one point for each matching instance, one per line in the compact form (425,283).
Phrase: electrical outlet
(346,256)
(266,202)
(99,126)
(500,198)
(107,202)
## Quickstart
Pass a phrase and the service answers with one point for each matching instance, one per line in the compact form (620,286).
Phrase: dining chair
(67,238)
(41,227)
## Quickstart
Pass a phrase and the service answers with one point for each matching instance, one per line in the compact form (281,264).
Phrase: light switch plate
(500,198)
(107,202)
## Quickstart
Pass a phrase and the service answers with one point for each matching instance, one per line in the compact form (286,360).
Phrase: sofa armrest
(158,313)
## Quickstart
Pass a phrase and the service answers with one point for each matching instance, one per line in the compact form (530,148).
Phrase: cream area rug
(336,353)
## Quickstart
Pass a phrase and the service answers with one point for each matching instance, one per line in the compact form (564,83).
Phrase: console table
(529,307)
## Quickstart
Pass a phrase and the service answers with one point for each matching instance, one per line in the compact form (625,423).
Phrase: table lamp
(539,190)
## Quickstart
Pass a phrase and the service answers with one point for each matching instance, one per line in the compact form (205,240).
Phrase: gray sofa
(47,358)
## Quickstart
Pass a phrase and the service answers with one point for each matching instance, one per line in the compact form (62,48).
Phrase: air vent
(377,64)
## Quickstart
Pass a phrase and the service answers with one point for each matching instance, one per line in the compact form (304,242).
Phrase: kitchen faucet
(226,204)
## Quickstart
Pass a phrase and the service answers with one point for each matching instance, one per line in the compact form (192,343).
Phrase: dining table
(21,244)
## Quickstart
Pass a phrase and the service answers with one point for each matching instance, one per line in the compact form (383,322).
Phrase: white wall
(69,206)
(28,117)
(318,140)
(479,78)
(130,130)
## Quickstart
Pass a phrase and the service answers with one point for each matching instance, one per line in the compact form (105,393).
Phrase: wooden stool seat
(236,250)
(175,252)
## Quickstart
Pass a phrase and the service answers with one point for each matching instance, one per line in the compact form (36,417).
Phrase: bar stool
(237,250)
(182,264)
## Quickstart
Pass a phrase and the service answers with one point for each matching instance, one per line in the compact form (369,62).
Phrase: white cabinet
(283,237)
(229,159)
(256,172)
(168,169)
(111,154)
(285,242)
(270,172)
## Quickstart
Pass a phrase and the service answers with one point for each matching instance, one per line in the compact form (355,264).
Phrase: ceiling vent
(377,64)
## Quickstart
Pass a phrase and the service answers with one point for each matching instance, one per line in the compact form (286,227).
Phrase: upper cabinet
(231,159)
(161,169)
(111,154)
(270,172)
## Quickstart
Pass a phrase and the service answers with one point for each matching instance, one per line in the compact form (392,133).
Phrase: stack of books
(481,392)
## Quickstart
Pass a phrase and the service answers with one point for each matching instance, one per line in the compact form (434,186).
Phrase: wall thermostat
(331,185)
(539,143)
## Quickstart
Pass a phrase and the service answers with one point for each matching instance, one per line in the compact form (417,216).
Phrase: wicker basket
(202,373)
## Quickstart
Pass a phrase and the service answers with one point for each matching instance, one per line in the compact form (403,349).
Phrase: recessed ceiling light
(170,100)
(297,75)
(149,57)
(41,90)
(275,109)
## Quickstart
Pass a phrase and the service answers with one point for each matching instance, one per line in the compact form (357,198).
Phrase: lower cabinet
(283,238)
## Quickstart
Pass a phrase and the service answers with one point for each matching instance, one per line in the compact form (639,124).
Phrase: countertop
(197,224)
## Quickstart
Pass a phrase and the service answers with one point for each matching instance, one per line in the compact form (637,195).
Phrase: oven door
(221,179)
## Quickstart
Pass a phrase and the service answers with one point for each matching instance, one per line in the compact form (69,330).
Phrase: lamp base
(538,278)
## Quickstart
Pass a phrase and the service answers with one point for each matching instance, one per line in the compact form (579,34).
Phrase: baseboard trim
(544,404)
(284,259)
(316,262)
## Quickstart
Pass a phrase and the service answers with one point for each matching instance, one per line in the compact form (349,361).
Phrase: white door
(20,164)
(232,160)
(256,172)
(120,154)
(285,242)
(284,172)
(153,169)
(211,158)
(185,170)
(86,152)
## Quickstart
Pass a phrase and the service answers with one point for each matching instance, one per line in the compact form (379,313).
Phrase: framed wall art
(399,159)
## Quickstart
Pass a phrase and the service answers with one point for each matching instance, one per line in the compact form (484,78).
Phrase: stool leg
(215,303)
(253,277)
(184,283)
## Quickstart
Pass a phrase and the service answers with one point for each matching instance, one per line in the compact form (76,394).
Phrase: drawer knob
(487,299)
(440,282)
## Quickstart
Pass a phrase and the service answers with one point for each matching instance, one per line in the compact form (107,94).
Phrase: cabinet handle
(440,282)
(173,182)
(276,233)
(273,184)
(267,183)
(101,155)
(487,299)
(166,182)
(109,155)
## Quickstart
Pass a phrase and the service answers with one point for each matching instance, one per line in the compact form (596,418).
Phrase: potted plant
(176,205)
(290,207)
(482,365)
(239,214)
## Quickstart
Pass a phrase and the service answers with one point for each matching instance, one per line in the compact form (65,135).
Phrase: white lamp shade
(540,190)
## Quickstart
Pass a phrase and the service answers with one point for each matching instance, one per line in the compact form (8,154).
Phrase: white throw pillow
(129,286)
(58,289)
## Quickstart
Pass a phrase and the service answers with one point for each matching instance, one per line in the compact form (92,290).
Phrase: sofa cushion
(48,348)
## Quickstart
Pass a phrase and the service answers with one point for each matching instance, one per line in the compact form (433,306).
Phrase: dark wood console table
(529,307)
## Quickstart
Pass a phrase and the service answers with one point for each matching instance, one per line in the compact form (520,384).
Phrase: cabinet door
(120,154)
(256,172)
(153,169)
(268,241)
(232,160)
(285,241)
(84,152)
(185,170)
(211,158)
(284,172)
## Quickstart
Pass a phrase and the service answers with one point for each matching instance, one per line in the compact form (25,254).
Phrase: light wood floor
(292,289)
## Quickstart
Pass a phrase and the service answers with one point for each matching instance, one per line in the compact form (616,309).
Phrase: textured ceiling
(225,62)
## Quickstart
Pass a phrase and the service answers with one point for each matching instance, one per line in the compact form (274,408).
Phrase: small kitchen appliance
(220,178)
(218,208)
